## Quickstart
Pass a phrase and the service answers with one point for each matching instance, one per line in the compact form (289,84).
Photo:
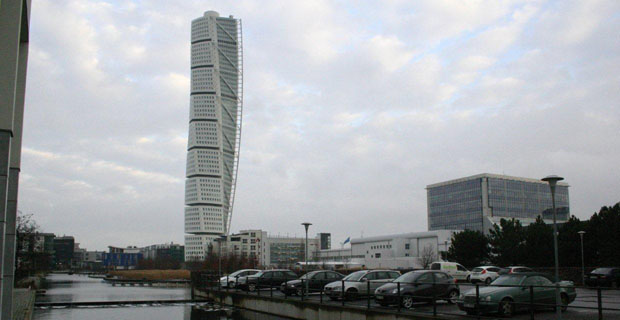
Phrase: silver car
(230,281)
(357,283)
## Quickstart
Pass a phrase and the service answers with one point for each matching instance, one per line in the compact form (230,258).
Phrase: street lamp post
(306,226)
(219,257)
(553,180)
(583,268)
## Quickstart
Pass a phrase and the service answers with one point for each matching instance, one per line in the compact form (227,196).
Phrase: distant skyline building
(477,202)
(214,131)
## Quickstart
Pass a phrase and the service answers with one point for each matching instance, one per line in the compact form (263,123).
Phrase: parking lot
(585,305)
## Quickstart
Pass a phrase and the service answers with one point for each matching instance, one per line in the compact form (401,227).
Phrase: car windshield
(408,277)
(236,273)
(508,280)
(602,271)
(355,276)
(307,275)
(258,274)
(477,270)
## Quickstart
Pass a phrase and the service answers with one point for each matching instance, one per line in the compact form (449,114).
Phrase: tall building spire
(214,130)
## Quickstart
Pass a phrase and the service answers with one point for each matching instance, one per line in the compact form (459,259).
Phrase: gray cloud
(349,111)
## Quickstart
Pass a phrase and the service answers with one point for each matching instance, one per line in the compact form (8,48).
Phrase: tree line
(510,243)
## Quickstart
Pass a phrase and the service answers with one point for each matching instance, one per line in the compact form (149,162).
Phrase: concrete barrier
(298,309)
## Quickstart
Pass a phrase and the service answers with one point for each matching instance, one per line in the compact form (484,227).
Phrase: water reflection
(71,288)
(74,288)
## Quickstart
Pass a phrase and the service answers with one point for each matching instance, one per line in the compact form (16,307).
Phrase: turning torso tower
(214,131)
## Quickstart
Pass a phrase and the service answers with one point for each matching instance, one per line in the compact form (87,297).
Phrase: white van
(454,269)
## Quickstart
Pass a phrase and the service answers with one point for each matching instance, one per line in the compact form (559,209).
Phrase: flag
(347,241)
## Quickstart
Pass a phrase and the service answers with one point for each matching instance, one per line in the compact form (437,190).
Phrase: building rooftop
(490,175)
(422,234)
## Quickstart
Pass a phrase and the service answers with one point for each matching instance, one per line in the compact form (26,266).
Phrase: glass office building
(479,201)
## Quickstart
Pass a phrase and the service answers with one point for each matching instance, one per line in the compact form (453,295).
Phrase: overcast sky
(351,109)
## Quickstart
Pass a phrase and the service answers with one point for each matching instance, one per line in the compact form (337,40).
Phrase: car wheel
(407,302)
(299,291)
(251,287)
(231,284)
(564,299)
(453,296)
(506,308)
(487,281)
(351,294)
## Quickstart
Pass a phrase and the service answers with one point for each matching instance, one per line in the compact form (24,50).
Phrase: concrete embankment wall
(302,309)
(23,304)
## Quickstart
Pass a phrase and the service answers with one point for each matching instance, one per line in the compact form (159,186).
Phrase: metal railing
(531,297)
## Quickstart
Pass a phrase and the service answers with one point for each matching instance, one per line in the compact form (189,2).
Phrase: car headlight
(395,291)
(487,298)
(462,296)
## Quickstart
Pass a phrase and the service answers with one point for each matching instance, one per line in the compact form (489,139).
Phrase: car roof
(529,274)
(277,270)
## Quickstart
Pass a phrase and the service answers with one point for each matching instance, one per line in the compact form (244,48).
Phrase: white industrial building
(214,130)
(397,251)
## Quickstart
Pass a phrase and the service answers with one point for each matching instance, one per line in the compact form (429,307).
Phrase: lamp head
(306,225)
(552,180)
(581,232)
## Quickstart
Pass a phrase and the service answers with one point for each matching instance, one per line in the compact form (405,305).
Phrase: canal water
(78,288)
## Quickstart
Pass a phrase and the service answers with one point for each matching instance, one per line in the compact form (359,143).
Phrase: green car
(510,293)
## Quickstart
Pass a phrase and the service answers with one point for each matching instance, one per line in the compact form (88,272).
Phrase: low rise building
(63,251)
(397,251)
(93,260)
(78,257)
(272,250)
(165,251)
(44,243)
(121,258)
(248,244)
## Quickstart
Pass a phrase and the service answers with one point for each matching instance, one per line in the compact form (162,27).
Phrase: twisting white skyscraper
(214,130)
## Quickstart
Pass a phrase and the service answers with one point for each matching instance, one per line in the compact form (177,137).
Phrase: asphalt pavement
(584,307)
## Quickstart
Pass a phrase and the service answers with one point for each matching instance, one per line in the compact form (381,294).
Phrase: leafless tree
(427,256)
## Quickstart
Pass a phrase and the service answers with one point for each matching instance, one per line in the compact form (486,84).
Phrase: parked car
(484,274)
(357,283)
(265,279)
(515,269)
(419,285)
(516,295)
(230,281)
(452,268)
(603,277)
(312,281)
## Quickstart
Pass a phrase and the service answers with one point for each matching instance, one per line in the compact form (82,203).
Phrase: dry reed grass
(151,274)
